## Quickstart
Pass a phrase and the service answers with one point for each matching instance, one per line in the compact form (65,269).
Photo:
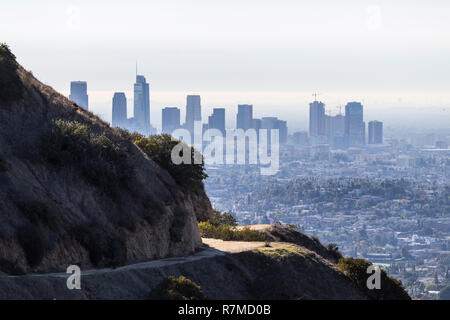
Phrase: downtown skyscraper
(119,110)
(375,132)
(142,105)
(193,111)
(78,93)
(170,119)
(244,117)
(355,128)
(316,119)
(217,120)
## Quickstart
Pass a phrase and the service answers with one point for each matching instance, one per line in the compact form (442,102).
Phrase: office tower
(355,129)
(142,105)
(316,119)
(244,116)
(283,131)
(78,93)
(375,132)
(170,119)
(217,120)
(193,111)
(119,110)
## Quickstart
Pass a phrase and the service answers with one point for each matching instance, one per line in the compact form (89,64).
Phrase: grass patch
(285,251)
(180,288)
(229,233)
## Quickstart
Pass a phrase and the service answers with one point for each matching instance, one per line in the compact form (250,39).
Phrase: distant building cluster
(339,131)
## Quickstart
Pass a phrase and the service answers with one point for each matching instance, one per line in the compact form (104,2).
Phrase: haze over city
(390,56)
(244,151)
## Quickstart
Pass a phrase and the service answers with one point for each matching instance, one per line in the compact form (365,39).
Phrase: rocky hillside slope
(285,271)
(73,190)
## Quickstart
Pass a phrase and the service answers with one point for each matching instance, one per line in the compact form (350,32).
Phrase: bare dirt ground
(257,227)
(238,246)
(212,248)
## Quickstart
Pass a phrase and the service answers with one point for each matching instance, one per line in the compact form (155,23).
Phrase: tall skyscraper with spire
(78,93)
(142,105)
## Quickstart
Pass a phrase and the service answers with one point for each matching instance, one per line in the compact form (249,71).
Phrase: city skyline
(389,56)
(339,131)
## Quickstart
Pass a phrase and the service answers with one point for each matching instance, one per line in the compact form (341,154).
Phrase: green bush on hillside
(11,88)
(159,149)
(180,288)
(229,233)
(356,270)
(103,162)
(220,219)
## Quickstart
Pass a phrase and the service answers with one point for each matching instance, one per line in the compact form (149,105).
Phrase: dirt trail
(213,247)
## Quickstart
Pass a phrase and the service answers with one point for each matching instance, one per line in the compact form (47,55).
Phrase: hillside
(284,271)
(73,190)
(223,270)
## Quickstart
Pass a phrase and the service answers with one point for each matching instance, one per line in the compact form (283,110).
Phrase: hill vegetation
(356,269)
(224,227)
(181,288)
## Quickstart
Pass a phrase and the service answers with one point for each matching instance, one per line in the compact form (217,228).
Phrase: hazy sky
(392,55)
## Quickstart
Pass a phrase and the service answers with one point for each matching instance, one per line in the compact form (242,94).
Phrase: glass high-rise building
(78,94)
(170,119)
(375,132)
(142,105)
(316,119)
(355,128)
(283,131)
(217,120)
(119,110)
(244,117)
(193,111)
